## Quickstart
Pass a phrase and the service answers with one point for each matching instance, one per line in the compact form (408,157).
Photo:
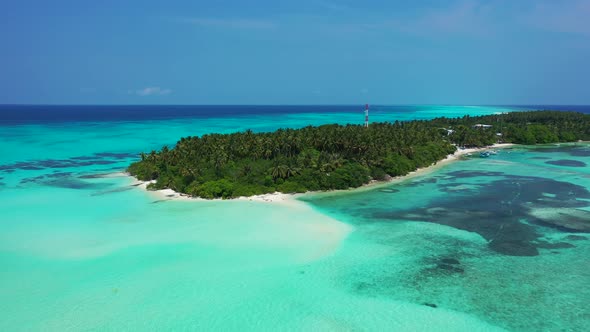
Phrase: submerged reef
(567,162)
(505,211)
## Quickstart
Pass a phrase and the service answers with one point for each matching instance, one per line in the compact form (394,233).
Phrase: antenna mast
(366,115)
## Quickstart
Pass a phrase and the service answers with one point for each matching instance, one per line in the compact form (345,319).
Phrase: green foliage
(216,189)
(378,174)
(519,127)
(289,187)
(396,165)
(143,170)
(337,157)
(567,136)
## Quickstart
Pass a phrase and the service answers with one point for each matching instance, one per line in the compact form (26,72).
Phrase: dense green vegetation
(335,156)
(539,127)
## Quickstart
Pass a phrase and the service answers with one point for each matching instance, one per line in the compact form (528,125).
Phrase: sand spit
(169,194)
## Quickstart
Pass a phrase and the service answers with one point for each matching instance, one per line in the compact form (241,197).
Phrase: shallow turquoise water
(407,234)
(81,250)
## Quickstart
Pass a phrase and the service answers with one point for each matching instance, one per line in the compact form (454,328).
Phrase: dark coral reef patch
(505,210)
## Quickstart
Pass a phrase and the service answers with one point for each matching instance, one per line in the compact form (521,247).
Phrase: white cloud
(234,23)
(151,91)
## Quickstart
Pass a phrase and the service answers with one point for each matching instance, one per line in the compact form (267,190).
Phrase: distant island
(338,156)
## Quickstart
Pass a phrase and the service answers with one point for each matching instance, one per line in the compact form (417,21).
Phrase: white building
(479,125)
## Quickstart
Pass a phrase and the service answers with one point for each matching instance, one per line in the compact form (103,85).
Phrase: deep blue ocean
(21,114)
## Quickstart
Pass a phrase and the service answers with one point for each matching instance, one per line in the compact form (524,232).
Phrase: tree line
(337,156)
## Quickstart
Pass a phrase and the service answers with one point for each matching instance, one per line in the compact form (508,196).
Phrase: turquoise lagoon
(471,246)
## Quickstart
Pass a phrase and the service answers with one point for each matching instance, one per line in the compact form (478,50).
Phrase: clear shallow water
(84,251)
(477,236)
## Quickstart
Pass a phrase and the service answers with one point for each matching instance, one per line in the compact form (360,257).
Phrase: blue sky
(295,52)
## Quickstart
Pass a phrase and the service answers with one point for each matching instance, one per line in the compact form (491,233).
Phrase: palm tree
(278,172)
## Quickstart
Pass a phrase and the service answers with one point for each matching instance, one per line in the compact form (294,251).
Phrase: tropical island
(335,156)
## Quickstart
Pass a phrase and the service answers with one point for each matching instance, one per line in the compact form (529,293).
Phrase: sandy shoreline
(290,199)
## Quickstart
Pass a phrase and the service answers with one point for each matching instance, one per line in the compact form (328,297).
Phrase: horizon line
(217,105)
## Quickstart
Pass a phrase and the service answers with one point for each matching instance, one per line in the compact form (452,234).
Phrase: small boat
(484,154)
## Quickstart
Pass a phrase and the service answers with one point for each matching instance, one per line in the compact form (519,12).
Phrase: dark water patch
(417,183)
(567,162)
(549,150)
(97,162)
(53,143)
(35,179)
(553,245)
(363,286)
(91,176)
(102,158)
(59,175)
(112,155)
(471,174)
(576,238)
(451,261)
(534,187)
(513,247)
(41,178)
(96,176)
(449,268)
(575,151)
(385,276)
(31,168)
(580,152)
(62,180)
(83,158)
(496,210)
(55,164)
(57,114)
(432,305)
(71,183)
(112,191)
(160,201)
(441,267)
